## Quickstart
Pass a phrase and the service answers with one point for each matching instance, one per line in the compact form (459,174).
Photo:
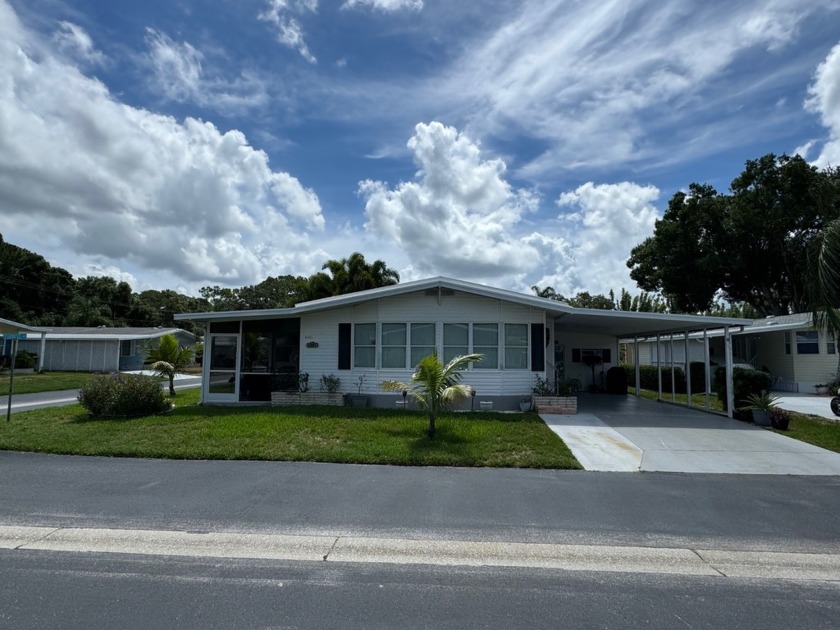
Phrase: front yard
(43,382)
(317,434)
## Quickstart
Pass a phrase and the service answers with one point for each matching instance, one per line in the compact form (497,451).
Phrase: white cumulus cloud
(824,99)
(458,217)
(129,188)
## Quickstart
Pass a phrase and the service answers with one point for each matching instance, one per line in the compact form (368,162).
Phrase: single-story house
(796,354)
(366,337)
(95,349)
(8,326)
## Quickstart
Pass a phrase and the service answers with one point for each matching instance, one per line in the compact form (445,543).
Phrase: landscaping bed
(318,434)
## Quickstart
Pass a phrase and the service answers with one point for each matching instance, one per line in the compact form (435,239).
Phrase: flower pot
(525,405)
(781,424)
(357,400)
(761,418)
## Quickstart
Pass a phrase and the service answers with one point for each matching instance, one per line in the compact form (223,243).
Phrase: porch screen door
(223,385)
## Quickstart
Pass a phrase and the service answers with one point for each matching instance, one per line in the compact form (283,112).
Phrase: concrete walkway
(625,433)
(806,403)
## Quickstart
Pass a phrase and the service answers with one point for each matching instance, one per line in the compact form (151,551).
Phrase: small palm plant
(436,387)
(168,358)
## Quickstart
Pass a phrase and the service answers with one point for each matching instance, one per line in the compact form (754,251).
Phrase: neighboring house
(379,334)
(796,354)
(8,326)
(86,349)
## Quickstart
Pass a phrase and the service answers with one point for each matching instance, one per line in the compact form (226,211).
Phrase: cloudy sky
(178,144)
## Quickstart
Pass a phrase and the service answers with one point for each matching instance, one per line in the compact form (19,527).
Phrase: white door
(223,381)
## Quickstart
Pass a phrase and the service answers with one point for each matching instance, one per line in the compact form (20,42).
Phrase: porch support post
(41,353)
(687,371)
(636,367)
(658,369)
(730,393)
(707,366)
(671,358)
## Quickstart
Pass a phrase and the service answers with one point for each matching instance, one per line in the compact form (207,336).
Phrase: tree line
(34,292)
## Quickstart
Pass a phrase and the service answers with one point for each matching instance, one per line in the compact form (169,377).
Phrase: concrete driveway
(625,433)
(806,403)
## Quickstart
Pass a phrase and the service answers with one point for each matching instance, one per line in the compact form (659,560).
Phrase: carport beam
(658,368)
(707,365)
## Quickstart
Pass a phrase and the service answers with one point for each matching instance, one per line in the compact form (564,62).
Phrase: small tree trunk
(171,384)
(431,430)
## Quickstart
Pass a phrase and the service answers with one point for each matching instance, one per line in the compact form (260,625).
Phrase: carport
(631,434)
(8,326)
(631,327)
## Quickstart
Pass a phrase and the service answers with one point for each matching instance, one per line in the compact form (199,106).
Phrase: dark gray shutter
(344,348)
(537,348)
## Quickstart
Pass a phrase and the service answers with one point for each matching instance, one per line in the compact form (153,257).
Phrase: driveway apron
(625,433)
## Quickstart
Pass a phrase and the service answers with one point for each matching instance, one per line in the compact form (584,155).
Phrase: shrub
(123,395)
(330,383)
(25,360)
(745,383)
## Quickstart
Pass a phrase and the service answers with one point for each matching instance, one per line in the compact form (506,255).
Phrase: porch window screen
(516,346)
(393,345)
(486,342)
(456,341)
(830,345)
(126,348)
(422,342)
(364,346)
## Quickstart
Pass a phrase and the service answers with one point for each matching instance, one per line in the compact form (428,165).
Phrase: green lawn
(697,400)
(317,434)
(44,382)
(814,430)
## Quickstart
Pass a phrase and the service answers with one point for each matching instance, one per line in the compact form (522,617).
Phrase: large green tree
(751,245)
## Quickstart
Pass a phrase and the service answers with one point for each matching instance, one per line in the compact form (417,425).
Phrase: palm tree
(349,275)
(169,357)
(435,386)
(547,292)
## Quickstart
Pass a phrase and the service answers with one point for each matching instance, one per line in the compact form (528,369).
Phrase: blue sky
(177,144)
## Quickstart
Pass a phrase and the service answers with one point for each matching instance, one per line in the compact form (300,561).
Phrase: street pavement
(807,403)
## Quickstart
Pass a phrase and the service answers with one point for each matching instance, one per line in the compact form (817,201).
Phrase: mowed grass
(44,382)
(697,400)
(814,430)
(316,434)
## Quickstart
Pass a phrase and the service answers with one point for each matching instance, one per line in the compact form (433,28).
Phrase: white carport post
(730,394)
(658,368)
(636,366)
(707,365)
(687,371)
(42,351)
(671,358)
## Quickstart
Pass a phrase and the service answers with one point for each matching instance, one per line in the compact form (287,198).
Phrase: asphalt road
(59,587)
(744,512)
(42,590)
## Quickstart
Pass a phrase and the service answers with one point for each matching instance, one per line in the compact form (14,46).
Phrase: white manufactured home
(367,337)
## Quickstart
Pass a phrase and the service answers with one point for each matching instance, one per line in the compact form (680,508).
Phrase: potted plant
(358,399)
(820,389)
(780,418)
(592,361)
(761,406)
(525,403)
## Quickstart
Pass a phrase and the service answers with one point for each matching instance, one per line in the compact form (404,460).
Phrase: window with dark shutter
(344,347)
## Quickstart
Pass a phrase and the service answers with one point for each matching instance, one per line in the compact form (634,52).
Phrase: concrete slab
(671,438)
(807,403)
(595,445)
